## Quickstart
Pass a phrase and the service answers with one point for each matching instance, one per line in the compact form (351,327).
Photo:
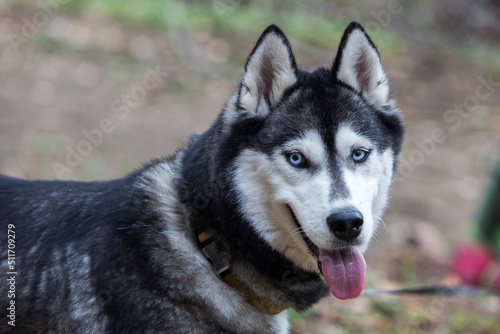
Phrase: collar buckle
(212,253)
(211,250)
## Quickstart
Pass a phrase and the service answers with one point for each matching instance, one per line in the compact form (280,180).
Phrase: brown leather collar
(210,248)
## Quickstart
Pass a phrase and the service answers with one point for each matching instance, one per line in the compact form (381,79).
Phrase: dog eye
(360,155)
(296,159)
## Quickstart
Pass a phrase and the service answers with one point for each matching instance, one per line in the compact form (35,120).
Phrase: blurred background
(91,89)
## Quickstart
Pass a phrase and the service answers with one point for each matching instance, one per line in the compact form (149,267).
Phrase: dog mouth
(311,245)
(344,269)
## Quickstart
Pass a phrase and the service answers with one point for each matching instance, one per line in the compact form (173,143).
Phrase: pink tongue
(344,271)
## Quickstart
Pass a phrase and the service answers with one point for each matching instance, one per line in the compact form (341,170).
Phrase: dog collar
(211,250)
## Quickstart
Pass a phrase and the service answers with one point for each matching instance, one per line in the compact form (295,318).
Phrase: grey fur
(122,256)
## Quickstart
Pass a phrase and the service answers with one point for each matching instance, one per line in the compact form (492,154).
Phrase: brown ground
(66,78)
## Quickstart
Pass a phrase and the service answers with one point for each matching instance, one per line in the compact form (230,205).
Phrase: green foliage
(408,271)
(306,23)
(296,316)
(387,308)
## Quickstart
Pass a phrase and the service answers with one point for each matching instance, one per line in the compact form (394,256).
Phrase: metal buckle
(211,252)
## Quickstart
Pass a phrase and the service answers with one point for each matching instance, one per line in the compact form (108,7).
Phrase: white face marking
(268,185)
(367,182)
(347,140)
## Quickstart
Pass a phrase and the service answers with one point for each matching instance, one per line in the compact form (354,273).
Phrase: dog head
(316,152)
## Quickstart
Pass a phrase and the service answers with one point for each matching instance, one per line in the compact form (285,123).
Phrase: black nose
(346,225)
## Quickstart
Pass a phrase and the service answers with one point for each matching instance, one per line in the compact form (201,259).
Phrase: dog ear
(358,65)
(269,71)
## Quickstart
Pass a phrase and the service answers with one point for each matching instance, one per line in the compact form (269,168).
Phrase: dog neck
(211,249)
(206,191)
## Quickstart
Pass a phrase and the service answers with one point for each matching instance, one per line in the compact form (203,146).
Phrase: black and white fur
(119,256)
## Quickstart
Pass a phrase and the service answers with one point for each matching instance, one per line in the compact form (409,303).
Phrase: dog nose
(346,225)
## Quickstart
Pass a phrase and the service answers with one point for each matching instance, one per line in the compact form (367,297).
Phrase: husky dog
(269,209)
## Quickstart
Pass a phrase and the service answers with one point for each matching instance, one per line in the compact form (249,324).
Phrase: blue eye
(359,155)
(296,159)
